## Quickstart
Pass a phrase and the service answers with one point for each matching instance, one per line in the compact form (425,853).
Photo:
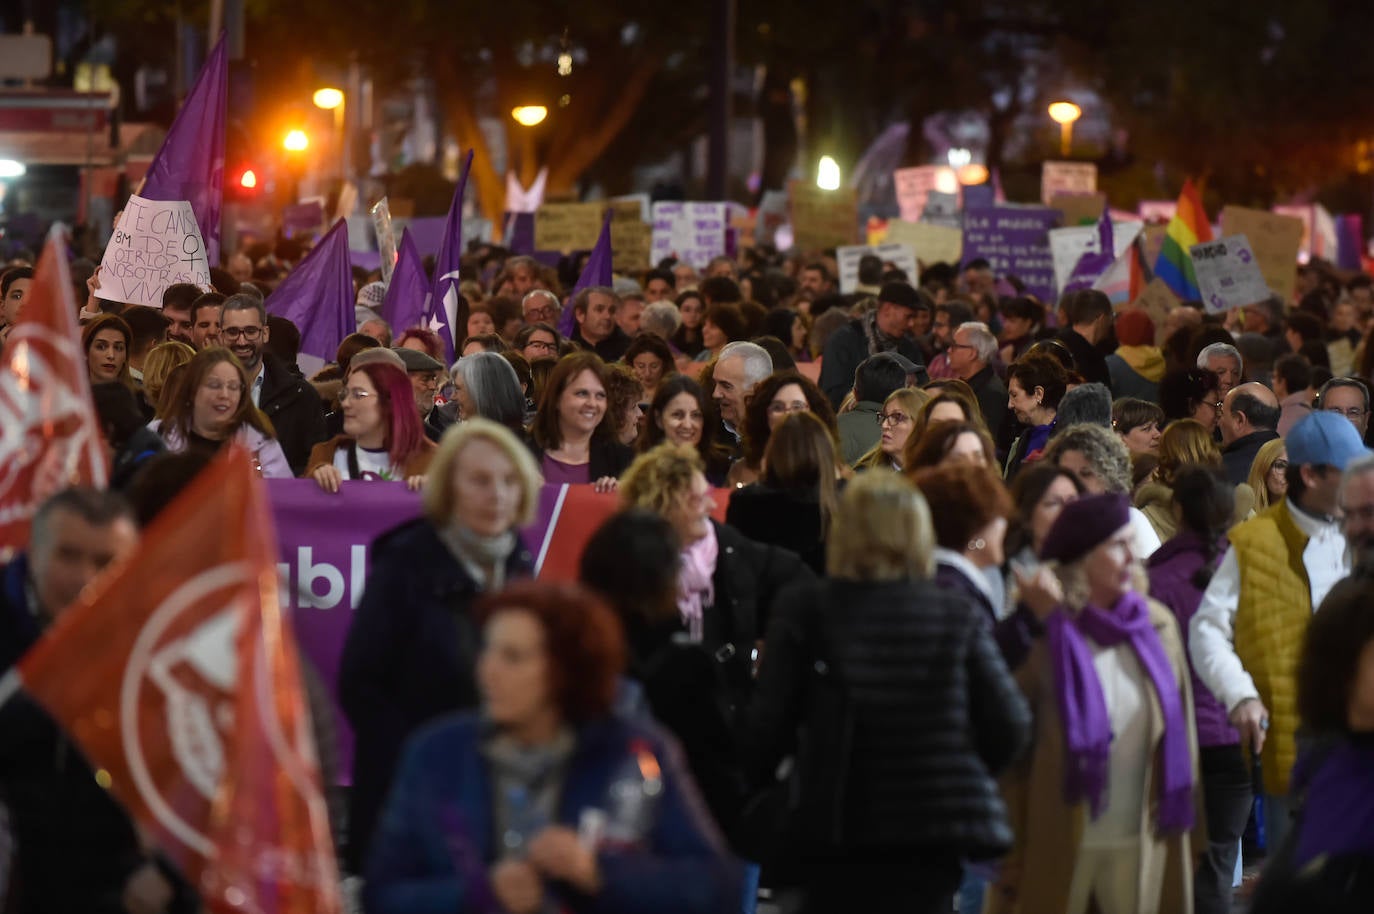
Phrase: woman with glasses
(1192,394)
(896,422)
(210,406)
(382,438)
(774,399)
(1269,474)
(538,341)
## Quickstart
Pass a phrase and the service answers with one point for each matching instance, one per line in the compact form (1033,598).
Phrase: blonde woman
(896,421)
(1103,807)
(1268,474)
(159,368)
(1184,442)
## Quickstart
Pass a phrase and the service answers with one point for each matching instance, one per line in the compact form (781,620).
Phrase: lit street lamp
(828,174)
(530,115)
(1064,114)
(296,141)
(331,99)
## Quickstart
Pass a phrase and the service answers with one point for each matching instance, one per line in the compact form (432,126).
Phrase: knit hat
(372,295)
(1324,439)
(1083,525)
(1134,328)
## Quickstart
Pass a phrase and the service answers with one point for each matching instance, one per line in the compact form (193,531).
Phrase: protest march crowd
(709,588)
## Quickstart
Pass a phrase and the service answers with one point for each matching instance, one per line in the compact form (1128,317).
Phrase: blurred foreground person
(1104,805)
(896,702)
(412,648)
(546,801)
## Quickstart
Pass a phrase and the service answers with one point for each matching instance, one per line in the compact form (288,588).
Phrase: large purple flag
(190,164)
(317,296)
(1093,264)
(443,301)
(597,272)
(404,305)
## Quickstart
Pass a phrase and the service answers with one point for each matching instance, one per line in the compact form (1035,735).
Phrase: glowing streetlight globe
(328,98)
(1065,112)
(530,115)
(296,141)
(828,174)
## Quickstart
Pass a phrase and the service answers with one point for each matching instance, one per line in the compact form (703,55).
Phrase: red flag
(49,436)
(178,677)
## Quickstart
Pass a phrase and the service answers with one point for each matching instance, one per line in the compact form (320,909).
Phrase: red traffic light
(248,180)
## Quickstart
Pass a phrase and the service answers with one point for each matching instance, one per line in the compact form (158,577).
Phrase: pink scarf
(695,588)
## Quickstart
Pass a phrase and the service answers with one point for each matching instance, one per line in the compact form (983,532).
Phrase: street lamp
(530,115)
(1064,114)
(328,98)
(331,99)
(296,141)
(828,174)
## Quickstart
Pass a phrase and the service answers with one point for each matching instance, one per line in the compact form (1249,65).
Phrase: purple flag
(404,305)
(443,300)
(317,296)
(1349,241)
(190,164)
(1093,264)
(597,272)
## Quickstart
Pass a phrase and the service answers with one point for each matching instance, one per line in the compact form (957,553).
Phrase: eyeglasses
(894,418)
(248,333)
(962,346)
(1353,412)
(234,387)
(1278,466)
(541,345)
(778,409)
(354,394)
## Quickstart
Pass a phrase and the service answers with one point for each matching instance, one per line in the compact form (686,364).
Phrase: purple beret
(1083,525)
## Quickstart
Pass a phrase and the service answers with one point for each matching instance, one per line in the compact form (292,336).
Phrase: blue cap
(1324,439)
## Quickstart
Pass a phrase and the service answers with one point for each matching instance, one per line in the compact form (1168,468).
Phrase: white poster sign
(155,244)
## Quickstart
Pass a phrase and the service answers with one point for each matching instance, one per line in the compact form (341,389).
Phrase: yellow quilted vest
(1271,621)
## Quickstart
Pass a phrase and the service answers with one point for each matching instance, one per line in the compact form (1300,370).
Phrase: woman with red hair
(422,339)
(382,438)
(546,799)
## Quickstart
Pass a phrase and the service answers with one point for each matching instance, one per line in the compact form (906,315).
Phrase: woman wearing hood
(1138,364)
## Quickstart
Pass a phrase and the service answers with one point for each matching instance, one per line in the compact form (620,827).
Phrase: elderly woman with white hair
(1099,459)
(1104,806)
(485,384)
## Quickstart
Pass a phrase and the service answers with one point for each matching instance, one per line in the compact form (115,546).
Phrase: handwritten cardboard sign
(931,243)
(1067,178)
(630,243)
(1015,241)
(823,218)
(899,255)
(1228,276)
(692,232)
(156,243)
(1157,300)
(1275,241)
(1080,209)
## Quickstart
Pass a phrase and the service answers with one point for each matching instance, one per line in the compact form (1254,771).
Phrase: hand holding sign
(156,244)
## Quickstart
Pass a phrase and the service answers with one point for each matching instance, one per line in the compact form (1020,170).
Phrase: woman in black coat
(573,433)
(410,653)
(900,709)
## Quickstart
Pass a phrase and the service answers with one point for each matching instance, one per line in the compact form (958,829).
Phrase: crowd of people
(1016,606)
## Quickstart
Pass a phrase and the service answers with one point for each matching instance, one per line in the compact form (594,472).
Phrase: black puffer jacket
(935,713)
(294,407)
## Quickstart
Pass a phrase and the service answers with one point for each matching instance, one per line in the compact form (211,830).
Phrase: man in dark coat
(970,357)
(887,329)
(594,311)
(1087,318)
(1249,420)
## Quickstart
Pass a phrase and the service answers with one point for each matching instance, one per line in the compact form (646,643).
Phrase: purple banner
(324,543)
(1015,241)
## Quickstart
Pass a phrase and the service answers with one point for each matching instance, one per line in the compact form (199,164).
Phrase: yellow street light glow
(530,115)
(328,98)
(1065,112)
(296,141)
(973,173)
(828,174)
(946,181)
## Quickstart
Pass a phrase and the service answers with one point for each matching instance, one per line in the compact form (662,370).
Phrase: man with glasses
(277,389)
(541,306)
(426,374)
(1248,632)
(537,341)
(970,358)
(1348,397)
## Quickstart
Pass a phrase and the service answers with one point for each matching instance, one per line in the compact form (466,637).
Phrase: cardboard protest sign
(630,243)
(932,243)
(823,218)
(942,209)
(914,185)
(899,255)
(386,236)
(1275,241)
(1014,240)
(156,243)
(692,232)
(1079,209)
(567,226)
(1067,245)
(1157,300)
(1067,178)
(772,213)
(1227,274)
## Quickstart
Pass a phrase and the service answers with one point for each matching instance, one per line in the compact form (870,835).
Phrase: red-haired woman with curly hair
(546,798)
(383,437)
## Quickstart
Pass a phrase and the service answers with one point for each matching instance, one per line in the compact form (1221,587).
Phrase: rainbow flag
(1188,227)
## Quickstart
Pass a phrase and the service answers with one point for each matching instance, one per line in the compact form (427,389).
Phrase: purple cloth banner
(406,294)
(324,544)
(1015,240)
(444,314)
(428,232)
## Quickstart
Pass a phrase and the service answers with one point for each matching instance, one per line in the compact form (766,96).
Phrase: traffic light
(243,174)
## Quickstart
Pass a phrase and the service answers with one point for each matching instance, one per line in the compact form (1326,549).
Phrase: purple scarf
(1088,729)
